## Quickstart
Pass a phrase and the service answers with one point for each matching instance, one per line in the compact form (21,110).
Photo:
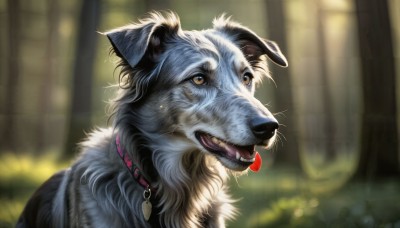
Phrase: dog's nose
(263,127)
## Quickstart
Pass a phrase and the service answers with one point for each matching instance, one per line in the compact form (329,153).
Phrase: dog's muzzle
(239,157)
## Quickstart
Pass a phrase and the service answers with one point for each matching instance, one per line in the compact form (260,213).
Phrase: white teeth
(217,141)
(247,160)
(238,157)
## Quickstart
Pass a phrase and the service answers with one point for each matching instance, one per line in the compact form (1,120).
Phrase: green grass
(20,175)
(321,196)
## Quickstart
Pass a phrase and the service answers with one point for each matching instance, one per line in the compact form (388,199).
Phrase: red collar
(133,169)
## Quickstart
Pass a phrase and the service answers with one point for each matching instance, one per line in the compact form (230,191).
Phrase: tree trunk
(50,71)
(9,136)
(379,137)
(289,152)
(157,5)
(329,122)
(81,103)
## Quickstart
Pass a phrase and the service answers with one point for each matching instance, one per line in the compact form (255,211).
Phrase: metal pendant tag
(146,209)
(146,205)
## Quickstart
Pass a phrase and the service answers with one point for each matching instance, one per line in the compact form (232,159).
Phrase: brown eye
(247,78)
(199,79)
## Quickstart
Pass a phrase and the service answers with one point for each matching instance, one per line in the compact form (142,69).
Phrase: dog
(184,119)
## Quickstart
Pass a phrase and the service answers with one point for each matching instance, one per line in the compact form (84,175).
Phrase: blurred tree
(50,69)
(289,153)
(329,122)
(157,5)
(379,137)
(81,102)
(8,132)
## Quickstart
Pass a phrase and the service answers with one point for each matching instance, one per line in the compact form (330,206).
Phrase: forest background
(337,160)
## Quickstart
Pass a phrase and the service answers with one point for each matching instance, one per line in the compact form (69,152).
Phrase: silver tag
(146,209)
(146,205)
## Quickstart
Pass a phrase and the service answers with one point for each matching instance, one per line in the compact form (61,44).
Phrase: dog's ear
(251,45)
(145,40)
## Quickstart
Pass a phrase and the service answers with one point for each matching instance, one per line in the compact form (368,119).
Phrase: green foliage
(283,197)
(293,211)
(279,197)
(20,175)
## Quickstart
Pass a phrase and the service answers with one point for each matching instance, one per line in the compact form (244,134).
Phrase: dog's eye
(247,78)
(199,79)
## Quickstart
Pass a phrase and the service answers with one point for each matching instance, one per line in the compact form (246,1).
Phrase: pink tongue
(256,166)
(243,151)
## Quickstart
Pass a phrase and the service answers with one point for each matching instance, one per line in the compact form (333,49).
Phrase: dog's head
(198,86)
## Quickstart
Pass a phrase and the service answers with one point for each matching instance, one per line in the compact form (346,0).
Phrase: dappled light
(336,159)
(284,198)
(20,175)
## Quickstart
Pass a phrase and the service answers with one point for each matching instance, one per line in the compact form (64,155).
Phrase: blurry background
(336,163)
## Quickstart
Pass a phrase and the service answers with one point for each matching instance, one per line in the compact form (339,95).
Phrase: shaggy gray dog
(184,118)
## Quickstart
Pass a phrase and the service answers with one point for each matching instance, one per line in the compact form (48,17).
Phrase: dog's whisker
(280,135)
(267,104)
(282,125)
(281,113)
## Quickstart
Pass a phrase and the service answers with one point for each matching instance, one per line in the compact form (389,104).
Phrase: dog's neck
(186,180)
(190,182)
(134,170)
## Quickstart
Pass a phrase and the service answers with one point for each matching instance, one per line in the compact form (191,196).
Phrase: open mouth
(240,156)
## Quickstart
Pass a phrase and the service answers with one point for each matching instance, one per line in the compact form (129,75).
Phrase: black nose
(263,127)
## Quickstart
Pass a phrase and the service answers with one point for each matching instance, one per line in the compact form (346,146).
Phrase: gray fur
(156,114)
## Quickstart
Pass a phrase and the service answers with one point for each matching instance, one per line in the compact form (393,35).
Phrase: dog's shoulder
(38,211)
(98,138)
(96,151)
